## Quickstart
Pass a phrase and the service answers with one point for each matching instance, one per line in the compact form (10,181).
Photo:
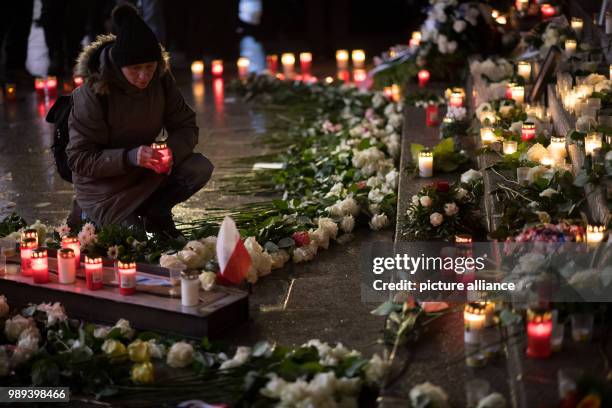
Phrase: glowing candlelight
(522,5)
(595,233)
(77,81)
(342,57)
(509,146)
(547,160)
(456,98)
(518,94)
(592,141)
(501,20)
(388,92)
(425,163)
(164,150)
(305,62)
(358,57)
(547,11)
(74,244)
(557,148)
(415,39)
(52,86)
(396,92)
(570,47)
(94,273)
(523,69)
(359,75)
(423,76)
(39,86)
(577,25)
(217,67)
(432,116)
(30,233)
(288,61)
(127,278)
(243,67)
(272,63)
(10,92)
(610,72)
(66,271)
(528,131)
(474,321)
(40,265)
(487,135)
(197,70)
(463,239)
(26,248)
(539,332)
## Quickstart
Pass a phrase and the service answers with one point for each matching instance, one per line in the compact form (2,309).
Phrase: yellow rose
(139,351)
(143,373)
(114,349)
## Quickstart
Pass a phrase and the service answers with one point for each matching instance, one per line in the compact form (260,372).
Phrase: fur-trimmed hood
(93,67)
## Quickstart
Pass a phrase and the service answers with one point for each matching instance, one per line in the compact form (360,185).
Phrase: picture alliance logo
(412,265)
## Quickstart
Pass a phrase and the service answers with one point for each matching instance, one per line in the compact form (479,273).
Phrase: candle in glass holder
(577,25)
(10,92)
(288,62)
(547,160)
(570,46)
(425,163)
(539,332)
(74,244)
(474,317)
(52,86)
(487,135)
(26,248)
(272,63)
(94,273)
(217,67)
(547,11)
(557,148)
(243,67)
(396,93)
(509,87)
(342,57)
(30,233)
(197,70)
(595,233)
(456,97)
(592,141)
(528,131)
(423,76)
(127,278)
(305,62)
(190,288)
(39,86)
(415,39)
(518,94)
(40,266)
(358,57)
(164,150)
(523,69)
(66,272)
(359,75)
(509,146)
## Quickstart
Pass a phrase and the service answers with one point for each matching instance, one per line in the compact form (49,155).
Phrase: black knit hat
(135,43)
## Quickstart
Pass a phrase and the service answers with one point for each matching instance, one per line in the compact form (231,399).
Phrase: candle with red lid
(51,86)
(29,233)
(127,277)
(94,273)
(217,68)
(456,98)
(25,251)
(539,332)
(40,265)
(528,131)
(39,87)
(305,62)
(162,147)
(272,63)
(74,244)
(423,78)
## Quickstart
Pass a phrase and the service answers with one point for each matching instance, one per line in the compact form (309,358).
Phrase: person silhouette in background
(14,34)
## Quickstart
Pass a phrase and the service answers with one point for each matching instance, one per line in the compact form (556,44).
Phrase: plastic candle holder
(29,233)
(358,57)
(523,68)
(52,86)
(582,327)
(474,317)
(415,39)
(521,5)
(528,131)
(94,273)
(577,25)
(456,97)
(388,92)
(425,163)
(127,278)
(190,288)
(487,135)
(432,117)
(539,332)
(396,92)
(595,233)
(557,148)
(272,63)
(509,146)
(162,147)
(342,57)
(26,248)
(40,265)
(423,76)
(359,75)
(217,67)
(39,86)
(570,47)
(547,11)
(463,239)
(288,62)
(243,64)
(66,271)
(197,69)
(592,141)
(305,62)
(509,87)
(518,94)
(74,244)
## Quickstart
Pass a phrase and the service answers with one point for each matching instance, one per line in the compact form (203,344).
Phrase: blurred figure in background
(14,33)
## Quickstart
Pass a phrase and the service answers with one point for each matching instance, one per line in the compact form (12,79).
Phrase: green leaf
(446,146)
(415,149)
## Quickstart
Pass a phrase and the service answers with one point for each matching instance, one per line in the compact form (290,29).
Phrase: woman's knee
(196,170)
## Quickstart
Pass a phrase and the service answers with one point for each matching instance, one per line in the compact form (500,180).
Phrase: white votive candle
(425,163)
(557,148)
(592,141)
(523,68)
(190,288)
(66,270)
(510,146)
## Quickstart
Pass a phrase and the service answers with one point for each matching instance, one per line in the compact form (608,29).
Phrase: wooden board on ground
(151,308)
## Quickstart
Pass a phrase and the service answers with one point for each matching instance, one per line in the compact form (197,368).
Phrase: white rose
(376,369)
(13,327)
(428,395)
(470,176)
(320,237)
(207,280)
(242,356)
(549,192)
(347,224)
(425,201)
(415,200)
(190,258)
(379,221)
(336,190)
(29,342)
(450,209)
(274,387)
(376,196)
(4,307)
(459,25)
(101,332)
(124,326)
(436,219)
(55,312)
(391,179)
(157,351)
(171,262)
(536,152)
(494,400)
(330,227)
(461,193)
(181,354)
(301,255)
(279,258)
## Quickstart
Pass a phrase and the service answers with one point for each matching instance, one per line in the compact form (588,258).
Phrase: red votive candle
(40,265)
(51,86)
(509,90)
(423,76)
(539,332)
(39,86)
(217,68)
(431,116)
(163,148)
(94,273)
(547,11)
(305,62)
(74,244)
(78,81)
(272,63)
(456,97)
(25,251)
(127,278)
(30,233)
(528,131)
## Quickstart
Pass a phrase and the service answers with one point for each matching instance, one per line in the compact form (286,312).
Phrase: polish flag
(234,259)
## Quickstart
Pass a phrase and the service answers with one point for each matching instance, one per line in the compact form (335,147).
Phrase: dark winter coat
(108,188)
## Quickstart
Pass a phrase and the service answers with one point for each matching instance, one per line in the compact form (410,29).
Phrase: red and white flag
(234,259)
